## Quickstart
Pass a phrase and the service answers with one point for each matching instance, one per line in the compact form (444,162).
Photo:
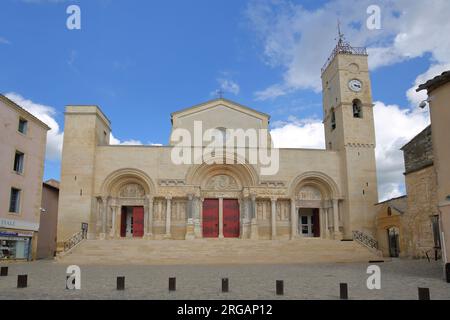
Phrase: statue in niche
(132,190)
(222,182)
(309,193)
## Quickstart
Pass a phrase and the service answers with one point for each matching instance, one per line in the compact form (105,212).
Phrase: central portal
(212,209)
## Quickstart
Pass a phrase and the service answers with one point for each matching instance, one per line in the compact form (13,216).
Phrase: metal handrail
(365,239)
(74,240)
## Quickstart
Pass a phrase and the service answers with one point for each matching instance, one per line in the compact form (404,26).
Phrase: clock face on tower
(355,85)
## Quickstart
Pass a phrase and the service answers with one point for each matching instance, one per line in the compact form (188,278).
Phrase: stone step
(214,251)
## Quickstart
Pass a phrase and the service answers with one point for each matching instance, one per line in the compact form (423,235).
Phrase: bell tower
(349,130)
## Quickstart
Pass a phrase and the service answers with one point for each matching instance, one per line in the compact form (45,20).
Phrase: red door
(138,222)
(211,218)
(316,223)
(231,225)
(123,222)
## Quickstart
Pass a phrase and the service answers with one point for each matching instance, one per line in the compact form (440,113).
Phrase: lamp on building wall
(424,103)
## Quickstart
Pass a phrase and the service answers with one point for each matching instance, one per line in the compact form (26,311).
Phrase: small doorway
(309,223)
(394,243)
(231,225)
(132,222)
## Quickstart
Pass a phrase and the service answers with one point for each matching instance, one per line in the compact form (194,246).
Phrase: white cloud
(394,128)
(229,86)
(47,115)
(299,40)
(296,133)
(390,121)
(417,97)
(4,41)
(114,141)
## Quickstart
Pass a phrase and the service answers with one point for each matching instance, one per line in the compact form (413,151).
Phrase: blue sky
(141,60)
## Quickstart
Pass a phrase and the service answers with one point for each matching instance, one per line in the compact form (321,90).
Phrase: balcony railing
(344,48)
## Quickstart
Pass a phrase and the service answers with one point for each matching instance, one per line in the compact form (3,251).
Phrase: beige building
(143,192)
(22,140)
(438,97)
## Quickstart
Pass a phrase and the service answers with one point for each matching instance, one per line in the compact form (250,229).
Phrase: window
(23,126)
(357,109)
(18,162)
(14,201)
(333,119)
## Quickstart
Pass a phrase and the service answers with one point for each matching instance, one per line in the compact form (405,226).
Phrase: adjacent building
(439,99)
(22,142)
(46,245)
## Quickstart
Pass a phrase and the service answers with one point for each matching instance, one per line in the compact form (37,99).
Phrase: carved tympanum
(309,193)
(132,190)
(222,182)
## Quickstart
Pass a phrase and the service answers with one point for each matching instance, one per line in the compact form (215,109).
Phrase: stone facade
(421,188)
(438,97)
(338,184)
(418,153)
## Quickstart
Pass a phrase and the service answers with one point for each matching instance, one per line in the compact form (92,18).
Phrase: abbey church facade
(140,192)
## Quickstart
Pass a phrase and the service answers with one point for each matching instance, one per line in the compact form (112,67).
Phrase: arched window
(357,109)
(333,119)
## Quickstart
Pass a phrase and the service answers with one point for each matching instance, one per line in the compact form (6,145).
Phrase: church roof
(227,102)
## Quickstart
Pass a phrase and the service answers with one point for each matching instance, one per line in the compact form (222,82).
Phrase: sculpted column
(273,216)
(114,220)
(168,217)
(294,219)
(337,232)
(190,232)
(104,217)
(254,219)
(327,230)
(149,217)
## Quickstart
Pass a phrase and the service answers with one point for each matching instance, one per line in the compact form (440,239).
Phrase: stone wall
(418,153)
(422,204)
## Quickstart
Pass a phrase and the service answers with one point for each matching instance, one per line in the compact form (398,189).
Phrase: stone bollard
(121,283)
(225,287)
(22,281)
(172,284)
(343,291)
(3,271)
(424,294)
(280,287)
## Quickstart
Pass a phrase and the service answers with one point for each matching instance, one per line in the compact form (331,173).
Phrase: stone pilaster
(148,217)
(168,234)
(104,218)
(294,220)
(273,216)
(190,229)
(337,232)
(254,234)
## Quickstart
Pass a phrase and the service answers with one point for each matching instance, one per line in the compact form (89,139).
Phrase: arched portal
(223,210)
(124,205)
(316,199)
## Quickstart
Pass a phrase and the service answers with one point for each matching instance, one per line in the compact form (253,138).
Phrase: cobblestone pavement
(400,280)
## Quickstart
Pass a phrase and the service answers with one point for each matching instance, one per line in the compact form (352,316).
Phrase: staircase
(215,251)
